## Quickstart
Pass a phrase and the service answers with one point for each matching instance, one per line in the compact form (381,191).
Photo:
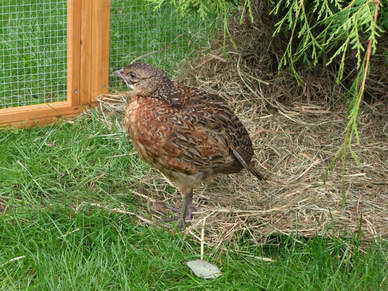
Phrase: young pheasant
(188,135)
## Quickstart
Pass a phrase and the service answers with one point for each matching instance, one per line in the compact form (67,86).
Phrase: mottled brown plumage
(188,135)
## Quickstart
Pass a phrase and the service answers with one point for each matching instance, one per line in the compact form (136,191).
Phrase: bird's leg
(187,208)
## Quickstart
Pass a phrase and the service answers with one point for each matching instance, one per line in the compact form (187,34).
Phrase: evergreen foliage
(317,32)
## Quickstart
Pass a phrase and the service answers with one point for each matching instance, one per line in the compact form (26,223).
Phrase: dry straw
(296,133)
(295,147)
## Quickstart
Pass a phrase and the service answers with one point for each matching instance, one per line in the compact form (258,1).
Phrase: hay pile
(295,147)
(296,133)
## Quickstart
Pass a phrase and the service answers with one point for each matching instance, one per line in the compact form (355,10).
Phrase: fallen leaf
(204,269)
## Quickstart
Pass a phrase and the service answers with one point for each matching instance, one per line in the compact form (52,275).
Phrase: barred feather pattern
(196,136)
(187,134)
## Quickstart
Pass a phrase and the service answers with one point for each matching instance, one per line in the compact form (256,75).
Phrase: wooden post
(94,50)
(100,49)
(85,50)
(74,8)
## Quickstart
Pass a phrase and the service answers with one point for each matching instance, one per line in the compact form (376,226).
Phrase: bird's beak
(118,73)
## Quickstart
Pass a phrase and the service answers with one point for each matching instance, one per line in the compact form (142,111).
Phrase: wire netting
(33,35)
(32,51)
(161,37)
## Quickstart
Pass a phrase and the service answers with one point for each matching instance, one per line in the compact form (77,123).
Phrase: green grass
(46,172)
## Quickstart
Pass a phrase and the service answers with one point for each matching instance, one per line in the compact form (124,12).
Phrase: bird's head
(148,81)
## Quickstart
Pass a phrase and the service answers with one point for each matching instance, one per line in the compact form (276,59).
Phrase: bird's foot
(181,224)
(189,217)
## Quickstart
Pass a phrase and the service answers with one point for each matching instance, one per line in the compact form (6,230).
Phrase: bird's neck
(169,92)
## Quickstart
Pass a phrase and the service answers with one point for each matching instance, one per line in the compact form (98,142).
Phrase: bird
(187,134)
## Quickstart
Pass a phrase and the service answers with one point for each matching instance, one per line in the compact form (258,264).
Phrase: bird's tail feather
(249,167)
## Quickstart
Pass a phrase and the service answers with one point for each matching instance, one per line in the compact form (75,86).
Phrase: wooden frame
(87,66)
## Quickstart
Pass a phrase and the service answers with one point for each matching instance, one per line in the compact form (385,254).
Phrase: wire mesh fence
(161,37)
(32,51)
(33,48)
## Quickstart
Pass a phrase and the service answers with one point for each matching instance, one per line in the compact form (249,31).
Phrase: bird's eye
(132,75)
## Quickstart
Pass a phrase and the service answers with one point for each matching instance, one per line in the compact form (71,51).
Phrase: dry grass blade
(296,132)
(296,198)
(122,211)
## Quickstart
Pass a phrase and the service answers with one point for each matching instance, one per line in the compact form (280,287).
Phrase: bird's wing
(220,121)
(212,135)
